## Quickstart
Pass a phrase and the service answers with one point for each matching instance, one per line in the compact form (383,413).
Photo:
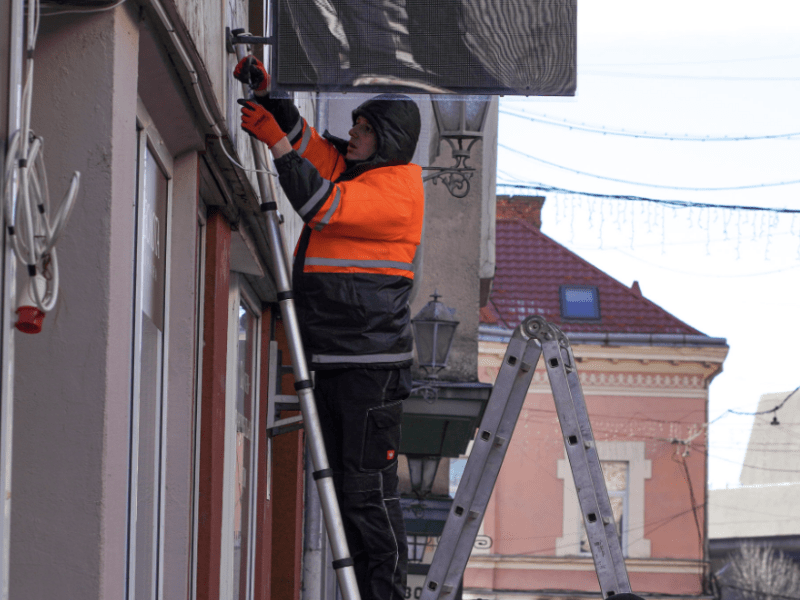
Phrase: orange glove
(259,122)
(251,71)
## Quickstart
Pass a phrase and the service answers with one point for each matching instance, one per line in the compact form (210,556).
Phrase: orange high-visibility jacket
(353,266)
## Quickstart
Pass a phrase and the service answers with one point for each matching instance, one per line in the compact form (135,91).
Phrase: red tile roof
(532,267)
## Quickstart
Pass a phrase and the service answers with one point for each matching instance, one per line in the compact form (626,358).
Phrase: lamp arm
(456,177)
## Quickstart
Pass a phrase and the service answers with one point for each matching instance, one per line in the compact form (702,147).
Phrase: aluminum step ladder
(281,271)
(532,338)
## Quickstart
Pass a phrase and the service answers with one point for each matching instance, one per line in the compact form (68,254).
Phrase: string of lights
(644,184)
(602,130)
(644,218)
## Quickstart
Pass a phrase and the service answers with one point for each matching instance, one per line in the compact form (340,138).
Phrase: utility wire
(544,119)
(772,410)
(652,185)
(696,77)
(695,62)
(534,186)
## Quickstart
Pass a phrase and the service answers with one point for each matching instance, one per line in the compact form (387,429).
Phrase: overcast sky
(666,73)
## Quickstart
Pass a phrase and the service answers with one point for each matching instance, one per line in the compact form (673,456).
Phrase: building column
(73,380)
(212,426)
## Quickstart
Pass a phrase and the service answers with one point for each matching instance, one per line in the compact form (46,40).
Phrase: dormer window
(580,302)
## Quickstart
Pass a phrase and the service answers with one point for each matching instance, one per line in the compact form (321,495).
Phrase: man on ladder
(363,204)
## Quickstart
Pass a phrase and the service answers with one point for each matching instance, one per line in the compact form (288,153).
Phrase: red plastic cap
(30,319)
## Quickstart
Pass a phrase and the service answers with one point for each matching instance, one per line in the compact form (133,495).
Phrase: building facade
(140,452)
(645,376)
(763,510)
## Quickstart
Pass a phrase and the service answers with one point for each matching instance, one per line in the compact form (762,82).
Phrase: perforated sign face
(515,47)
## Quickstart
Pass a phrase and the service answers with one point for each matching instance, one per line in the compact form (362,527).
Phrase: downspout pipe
(13,121)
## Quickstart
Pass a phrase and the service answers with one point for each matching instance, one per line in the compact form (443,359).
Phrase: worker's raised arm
(287,120)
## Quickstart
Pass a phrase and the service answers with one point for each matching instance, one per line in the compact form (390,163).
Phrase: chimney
(526,208)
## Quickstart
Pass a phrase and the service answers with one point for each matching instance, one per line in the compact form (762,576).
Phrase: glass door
(241,445)
(148,398)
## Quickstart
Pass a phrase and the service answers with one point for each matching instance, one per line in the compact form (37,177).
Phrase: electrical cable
(32,227)
(242,167)
(672,203)
(651,185)
(545,120)
(694,62)
(766,412)
(83,11)
(697,77)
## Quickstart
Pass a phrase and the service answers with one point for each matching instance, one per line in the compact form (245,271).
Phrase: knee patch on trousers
(359,483)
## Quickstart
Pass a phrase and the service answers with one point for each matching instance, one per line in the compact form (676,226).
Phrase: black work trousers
(360,411)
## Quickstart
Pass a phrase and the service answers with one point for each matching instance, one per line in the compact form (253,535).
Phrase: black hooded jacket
(353,267)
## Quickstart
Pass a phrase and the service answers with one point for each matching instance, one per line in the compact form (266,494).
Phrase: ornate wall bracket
(456,177)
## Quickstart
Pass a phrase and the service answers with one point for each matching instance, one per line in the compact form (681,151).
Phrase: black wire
(694,504)
(643,134)
(652,185)
(699,77)
(766,412)
(673,203)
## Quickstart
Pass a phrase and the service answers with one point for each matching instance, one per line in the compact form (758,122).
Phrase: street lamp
(458,119)
(417,544)
(434,329)
(422,472)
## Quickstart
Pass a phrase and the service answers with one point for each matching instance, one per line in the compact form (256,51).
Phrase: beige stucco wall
(754,511)
(73,379)
(459,247)
(762,465)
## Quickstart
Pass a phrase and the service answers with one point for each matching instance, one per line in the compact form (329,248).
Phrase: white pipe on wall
(15,25)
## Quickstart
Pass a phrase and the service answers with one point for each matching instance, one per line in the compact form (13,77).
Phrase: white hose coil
(33,228)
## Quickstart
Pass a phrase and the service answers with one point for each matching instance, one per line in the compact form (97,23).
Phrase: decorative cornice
(675,355)
(682,372)
(575,563)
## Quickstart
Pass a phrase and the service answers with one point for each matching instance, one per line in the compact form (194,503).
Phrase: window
(580,302)
(241,446)
(626,469)
(615,473)
(148,402)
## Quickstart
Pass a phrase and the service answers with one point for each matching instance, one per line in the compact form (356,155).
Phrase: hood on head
(396,121)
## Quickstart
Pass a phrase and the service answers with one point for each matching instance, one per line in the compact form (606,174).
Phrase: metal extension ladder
(532,338)
(322,473)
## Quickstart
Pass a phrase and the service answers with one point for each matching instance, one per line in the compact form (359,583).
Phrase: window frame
(240,293)
(623,533)
(148,137)
(639,470)
(200,269)
(563,302)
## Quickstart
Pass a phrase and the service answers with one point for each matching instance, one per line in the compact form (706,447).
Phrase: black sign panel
(515,47)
